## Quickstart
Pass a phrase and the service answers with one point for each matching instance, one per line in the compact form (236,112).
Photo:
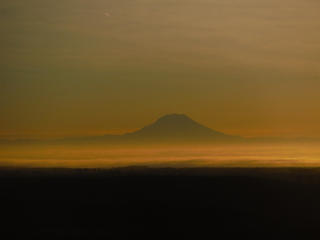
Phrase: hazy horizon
(169,128)
(214,155)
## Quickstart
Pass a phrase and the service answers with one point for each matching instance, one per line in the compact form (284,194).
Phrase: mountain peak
(175,117)
(178,127)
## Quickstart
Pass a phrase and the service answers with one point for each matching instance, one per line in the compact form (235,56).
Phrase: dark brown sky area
(79,67)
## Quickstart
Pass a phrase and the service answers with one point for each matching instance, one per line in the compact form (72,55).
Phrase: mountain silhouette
(176,128)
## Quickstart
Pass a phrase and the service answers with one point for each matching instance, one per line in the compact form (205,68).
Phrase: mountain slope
(173,128)
(176,127)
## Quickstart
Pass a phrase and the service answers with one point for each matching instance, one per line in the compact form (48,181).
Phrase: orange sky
(78,67)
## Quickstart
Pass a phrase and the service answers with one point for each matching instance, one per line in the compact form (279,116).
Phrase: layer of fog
(94,156)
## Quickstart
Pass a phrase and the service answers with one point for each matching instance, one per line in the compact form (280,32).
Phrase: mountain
(175,128)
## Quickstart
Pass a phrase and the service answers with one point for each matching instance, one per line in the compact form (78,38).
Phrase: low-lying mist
(214,155)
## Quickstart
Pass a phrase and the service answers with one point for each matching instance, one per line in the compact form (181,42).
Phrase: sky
(80,67)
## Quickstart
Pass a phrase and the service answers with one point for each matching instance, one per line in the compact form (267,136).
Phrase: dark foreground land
(160,203)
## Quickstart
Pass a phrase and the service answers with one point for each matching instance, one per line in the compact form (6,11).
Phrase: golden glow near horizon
(216,155)
(78,67)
